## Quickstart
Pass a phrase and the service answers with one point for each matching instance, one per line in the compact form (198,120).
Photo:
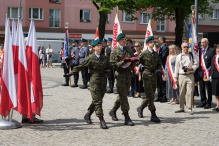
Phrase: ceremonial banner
(96,34)
(24,99)
(194,36)
(147,35)
(8,91)
(65,50)
(116,31)
(34,70)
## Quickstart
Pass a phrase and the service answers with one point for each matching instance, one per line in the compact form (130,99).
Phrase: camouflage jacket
(151,62)
(97,66)
(117,56)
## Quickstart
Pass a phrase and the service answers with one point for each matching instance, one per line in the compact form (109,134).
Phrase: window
(161,24)
(108,18)
(85,16)
(144,18)
(13,12)
(126,17)
(201,16)
(215,14)
(36,13)
(55,1)
(54,18)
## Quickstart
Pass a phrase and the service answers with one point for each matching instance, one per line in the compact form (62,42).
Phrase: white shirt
(49,51)
(98,56)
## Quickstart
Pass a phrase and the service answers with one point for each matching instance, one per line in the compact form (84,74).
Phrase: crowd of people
(175,75)
(45,56)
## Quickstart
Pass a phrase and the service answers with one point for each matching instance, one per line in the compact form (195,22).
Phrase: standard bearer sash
(170,70)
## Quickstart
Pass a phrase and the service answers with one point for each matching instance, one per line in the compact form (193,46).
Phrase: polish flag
(34,71)
(96,34)
(148,34)
(116,31)
(15,51)
(24,100)
(8,93)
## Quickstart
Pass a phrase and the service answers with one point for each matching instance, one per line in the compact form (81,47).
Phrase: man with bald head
(186,64)
(206,54)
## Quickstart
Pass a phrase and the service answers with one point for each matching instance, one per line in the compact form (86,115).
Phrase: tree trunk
(179,26)
(102,25)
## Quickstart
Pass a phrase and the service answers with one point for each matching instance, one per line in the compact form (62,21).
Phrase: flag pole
(68,50)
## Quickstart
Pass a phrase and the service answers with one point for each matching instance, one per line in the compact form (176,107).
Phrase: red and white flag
(96,34)
(171,73)
(147,35)
(24,99)
(116,31)
(15,51)
(34,70)
(8,93)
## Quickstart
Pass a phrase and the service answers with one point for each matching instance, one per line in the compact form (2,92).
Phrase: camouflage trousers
(97,92)
(123,85)
(150,84)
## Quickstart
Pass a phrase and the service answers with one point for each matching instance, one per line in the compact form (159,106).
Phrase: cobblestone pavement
(64,109)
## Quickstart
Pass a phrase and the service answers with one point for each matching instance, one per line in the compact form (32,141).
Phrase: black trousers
(84,74)
(111,78)
(202,86)
(65,68)
(161,87)
(76,76)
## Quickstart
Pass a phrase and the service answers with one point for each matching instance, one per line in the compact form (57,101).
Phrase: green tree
(178,11)
(105,7)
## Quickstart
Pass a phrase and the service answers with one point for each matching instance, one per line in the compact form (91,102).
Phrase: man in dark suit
(131,93)
(84,53)
(110,75)
(206,54)
(161,85)
(74,60)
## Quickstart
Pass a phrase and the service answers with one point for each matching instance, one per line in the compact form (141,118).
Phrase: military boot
(112,113)
(140,111)
(65,84)
(154,117)
(84,86)
(128,121)
(102,123)
(87,117)
(110,90)
(74,85)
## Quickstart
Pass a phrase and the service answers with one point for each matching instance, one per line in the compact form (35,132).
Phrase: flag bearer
(121,62)
(99,66)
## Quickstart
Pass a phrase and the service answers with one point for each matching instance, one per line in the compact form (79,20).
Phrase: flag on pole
(8,91)
(194,37)
(24,98)
(34,70)
(147,35)
(96,34)
(65,50)
(190,39)
(116,31)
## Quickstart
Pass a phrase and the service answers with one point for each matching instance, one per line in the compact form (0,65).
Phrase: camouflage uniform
(122,75)
(97,67)
(151,63)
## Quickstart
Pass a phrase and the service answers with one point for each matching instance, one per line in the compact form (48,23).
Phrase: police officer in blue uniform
(84,53)
(74,60)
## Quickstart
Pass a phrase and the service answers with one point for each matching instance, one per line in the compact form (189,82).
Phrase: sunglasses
(136,46)
(185,47)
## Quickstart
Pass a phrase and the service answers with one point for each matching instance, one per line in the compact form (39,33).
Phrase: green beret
(96,42)
(121,35)
(149,38)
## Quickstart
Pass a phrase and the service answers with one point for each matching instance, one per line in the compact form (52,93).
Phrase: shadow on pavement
(60,125)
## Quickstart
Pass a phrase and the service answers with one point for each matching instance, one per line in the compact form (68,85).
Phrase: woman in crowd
(172,91)
(42,57)
(138,81)
(214,75)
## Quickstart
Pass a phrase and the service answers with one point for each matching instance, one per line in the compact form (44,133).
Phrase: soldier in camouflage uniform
(99,66)
(152,68)
(120,57)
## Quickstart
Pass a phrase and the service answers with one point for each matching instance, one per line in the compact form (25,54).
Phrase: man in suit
(74,60)
(84,53)
(206,54)
(161,85)
(110,75)
(131,93)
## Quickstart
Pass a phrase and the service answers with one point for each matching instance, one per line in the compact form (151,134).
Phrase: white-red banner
(116,31)
(170,70)
(147,35)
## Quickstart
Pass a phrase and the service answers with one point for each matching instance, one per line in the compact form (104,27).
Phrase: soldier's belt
(98,75)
